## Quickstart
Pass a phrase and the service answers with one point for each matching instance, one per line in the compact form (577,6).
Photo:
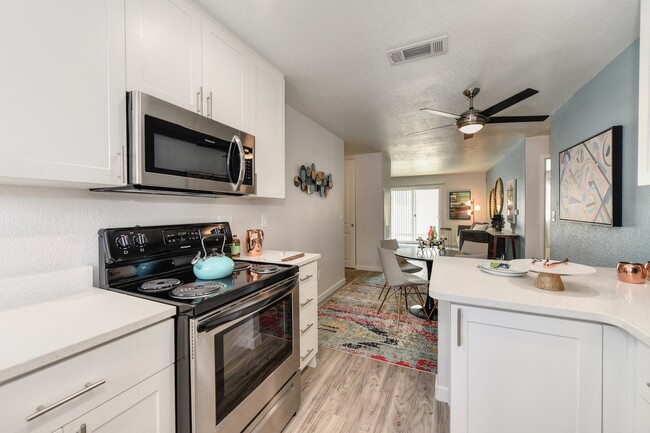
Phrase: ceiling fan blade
(508,119)
(430,129)
(488,112)
(441,113)
(467,136)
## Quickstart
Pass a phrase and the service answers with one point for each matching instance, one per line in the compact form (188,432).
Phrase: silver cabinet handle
(209,104)
(306,278)
(82,428)
(199,100)
(308,301)
(42,410)
(302,331)
(302,358)
(458,323)
(648,384)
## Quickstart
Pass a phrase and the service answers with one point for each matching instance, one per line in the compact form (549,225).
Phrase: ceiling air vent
(420,50)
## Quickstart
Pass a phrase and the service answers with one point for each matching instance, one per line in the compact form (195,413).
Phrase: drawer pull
(302,358)
(82,429)
(307,302)
(306,278)
(648,384)
(458,326)
(302,331)
(42,410)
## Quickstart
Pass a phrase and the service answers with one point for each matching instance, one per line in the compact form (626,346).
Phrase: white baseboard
(369,268)
(329,292)
(442,393)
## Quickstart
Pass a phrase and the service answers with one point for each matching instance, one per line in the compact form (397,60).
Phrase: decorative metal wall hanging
(311,181)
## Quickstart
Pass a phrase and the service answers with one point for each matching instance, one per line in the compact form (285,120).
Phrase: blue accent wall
(610,98)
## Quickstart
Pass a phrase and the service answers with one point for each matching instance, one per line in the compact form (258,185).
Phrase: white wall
(370,211)
(474,182)
(537,149)
(49,229)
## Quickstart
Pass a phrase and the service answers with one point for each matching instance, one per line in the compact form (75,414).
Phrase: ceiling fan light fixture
(470,128)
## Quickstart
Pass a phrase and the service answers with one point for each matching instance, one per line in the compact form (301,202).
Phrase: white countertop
(598,297)
(48,317)
(273,256)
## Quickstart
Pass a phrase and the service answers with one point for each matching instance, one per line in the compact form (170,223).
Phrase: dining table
(429,310)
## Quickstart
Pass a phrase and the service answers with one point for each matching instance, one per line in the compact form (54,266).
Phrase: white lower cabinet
(514,372)
(148,407)
(641,389)
(308,314)
(124,385)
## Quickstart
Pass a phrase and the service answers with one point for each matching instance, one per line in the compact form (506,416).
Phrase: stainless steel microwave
(175,151)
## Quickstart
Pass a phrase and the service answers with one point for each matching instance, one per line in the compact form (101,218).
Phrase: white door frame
(349,221)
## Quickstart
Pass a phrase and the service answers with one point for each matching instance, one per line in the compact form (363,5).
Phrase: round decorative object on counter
(549,277)
(634,273)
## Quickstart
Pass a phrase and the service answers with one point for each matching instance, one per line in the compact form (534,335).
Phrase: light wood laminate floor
(350,394)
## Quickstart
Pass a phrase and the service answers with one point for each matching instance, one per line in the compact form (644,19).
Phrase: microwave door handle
(240,148)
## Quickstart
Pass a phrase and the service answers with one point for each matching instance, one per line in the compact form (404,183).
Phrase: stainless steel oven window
(247,353)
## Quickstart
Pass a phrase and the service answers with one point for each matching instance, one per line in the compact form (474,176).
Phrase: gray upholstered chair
(405,266)
(399,283)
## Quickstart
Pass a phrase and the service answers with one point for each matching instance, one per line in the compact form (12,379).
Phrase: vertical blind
(413,210)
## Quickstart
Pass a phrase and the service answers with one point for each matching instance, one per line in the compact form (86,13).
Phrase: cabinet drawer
(308,283)
(308,316)
(113,367)
(643,370)
(308,273)
(308,346)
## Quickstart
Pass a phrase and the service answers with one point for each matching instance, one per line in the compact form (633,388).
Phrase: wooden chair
(399,283)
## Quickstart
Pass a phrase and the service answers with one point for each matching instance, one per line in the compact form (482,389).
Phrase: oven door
(245,354)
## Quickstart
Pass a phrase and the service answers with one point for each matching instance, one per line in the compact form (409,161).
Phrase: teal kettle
(215,265)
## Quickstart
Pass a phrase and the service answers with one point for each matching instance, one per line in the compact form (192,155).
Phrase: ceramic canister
(634,273)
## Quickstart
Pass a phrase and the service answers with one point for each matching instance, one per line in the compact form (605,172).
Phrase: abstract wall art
(590,180)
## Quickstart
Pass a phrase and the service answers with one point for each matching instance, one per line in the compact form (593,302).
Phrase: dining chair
(399,283)
(405,266)
(474,250)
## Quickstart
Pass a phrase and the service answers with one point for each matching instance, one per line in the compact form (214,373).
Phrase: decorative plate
(561,269)
(503,269)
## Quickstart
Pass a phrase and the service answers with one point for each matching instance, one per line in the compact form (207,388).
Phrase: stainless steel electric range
(237,354)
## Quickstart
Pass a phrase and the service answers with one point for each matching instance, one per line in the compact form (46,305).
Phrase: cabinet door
(225,77)
(63,106)
(642,389)
(146,408)
(513,373)
(268,114)
(163,50)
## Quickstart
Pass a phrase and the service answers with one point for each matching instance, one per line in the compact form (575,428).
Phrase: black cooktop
(135,256)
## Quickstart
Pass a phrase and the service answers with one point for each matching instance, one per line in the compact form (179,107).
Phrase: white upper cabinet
(226,80)
(268,115)
(63,92)
(163,50)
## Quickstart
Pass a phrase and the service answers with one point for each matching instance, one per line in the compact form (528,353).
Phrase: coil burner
(197,290)
(154,286)
(241,266)
(265,269)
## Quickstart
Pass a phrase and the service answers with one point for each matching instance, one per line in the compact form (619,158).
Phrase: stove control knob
(140,239)
(123,241)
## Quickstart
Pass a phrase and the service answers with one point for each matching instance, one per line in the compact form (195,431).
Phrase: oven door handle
(256,303)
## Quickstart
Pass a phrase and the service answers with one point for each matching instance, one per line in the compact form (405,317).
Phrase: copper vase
(634,273)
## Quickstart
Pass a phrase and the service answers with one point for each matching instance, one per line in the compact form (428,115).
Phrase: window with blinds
(413,211)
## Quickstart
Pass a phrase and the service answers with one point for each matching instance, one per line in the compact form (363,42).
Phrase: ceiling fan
(472,120)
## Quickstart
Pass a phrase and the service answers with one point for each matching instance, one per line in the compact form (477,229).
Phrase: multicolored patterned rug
(348,321)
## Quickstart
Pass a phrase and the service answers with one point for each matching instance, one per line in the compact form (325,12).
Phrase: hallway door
(350,215)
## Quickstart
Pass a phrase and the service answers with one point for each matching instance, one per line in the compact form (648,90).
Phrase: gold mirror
(491,204)
(498,197)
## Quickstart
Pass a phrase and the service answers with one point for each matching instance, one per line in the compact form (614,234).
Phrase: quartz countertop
(273,256)
(598,297)
(48,317)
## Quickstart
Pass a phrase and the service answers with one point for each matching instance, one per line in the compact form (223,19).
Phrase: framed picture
(511,201)
(590,180)
(458,205)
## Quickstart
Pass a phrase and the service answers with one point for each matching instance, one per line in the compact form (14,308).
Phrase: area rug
(349,321)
